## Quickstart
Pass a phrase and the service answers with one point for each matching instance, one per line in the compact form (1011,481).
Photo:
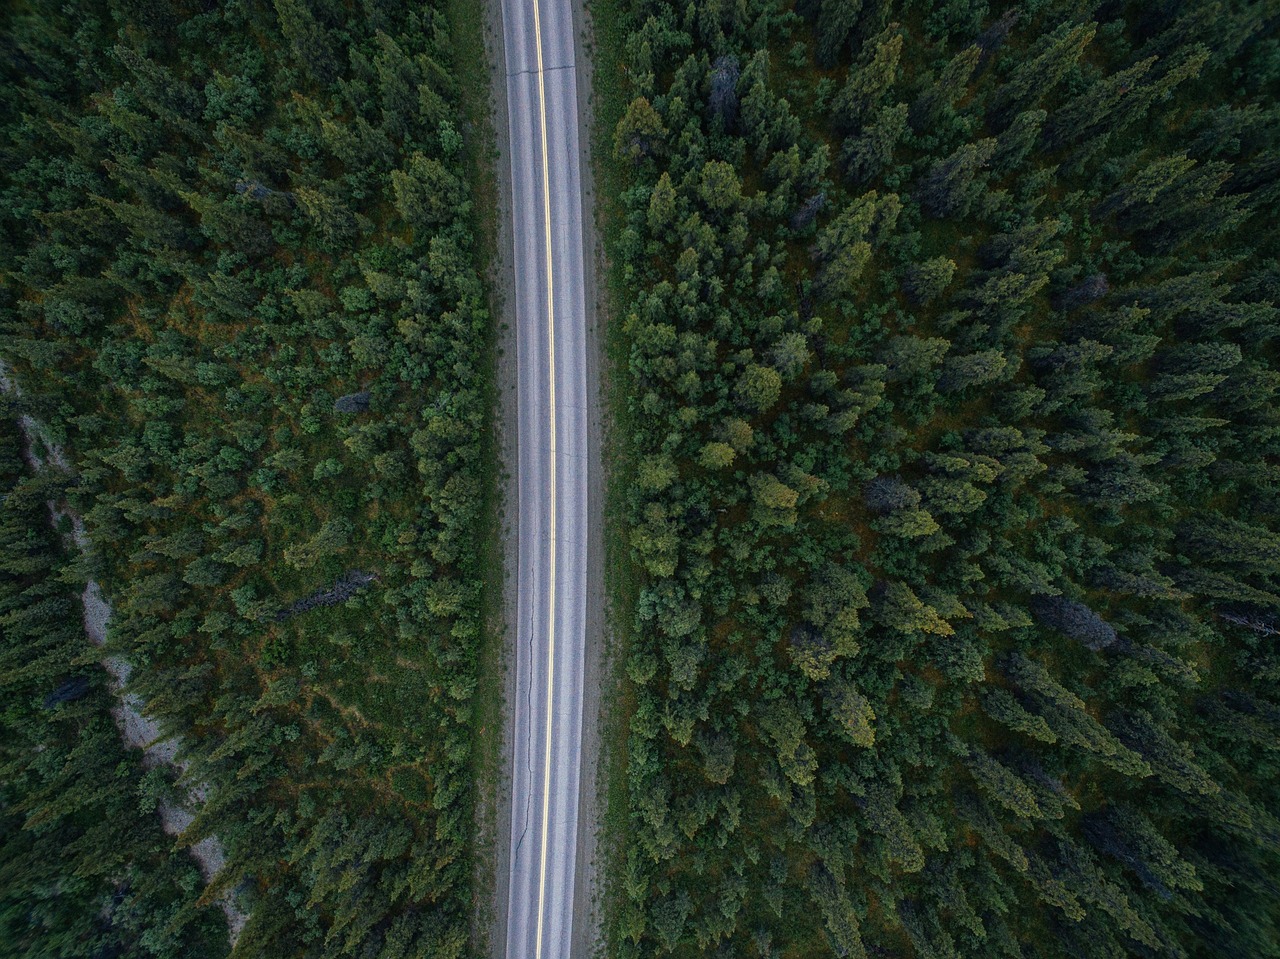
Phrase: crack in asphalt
(524,73)
(579,457)
(544,155)
(528,813)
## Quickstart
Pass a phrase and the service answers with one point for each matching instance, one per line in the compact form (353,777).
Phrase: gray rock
(253,189)
(352,402)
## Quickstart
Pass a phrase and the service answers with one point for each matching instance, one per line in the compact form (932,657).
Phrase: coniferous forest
(945,391)
(951,372)
(84,869)
(239,283)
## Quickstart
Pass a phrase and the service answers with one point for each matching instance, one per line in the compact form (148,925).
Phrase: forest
(946,458)
(948,337)
(240,284)
(84,869)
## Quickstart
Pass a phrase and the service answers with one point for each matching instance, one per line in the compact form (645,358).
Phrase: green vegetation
(951,357)
(84,868)
(238,278)
(944,517)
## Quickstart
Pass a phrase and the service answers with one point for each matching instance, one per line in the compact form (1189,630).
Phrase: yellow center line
(551,601)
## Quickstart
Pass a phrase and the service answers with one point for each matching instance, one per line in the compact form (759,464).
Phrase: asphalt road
(552,441)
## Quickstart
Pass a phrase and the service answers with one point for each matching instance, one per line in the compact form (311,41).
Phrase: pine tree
(640,132)
(1040,72)
(867,155)
(869,81)
(952,186)
(941,95)
(836,24)
(310,40)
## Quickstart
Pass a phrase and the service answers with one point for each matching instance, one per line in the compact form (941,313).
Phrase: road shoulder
(587,939)
(616,577)
(495,691)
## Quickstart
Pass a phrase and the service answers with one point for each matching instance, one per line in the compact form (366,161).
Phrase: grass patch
(472,69)
(621,576)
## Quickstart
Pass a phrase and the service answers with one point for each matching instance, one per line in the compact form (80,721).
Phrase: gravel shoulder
(586,907)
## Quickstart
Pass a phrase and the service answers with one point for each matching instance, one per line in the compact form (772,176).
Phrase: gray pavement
(552,466)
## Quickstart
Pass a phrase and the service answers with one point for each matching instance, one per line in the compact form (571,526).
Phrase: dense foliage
(238,279)
(952,350)
(84,868)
